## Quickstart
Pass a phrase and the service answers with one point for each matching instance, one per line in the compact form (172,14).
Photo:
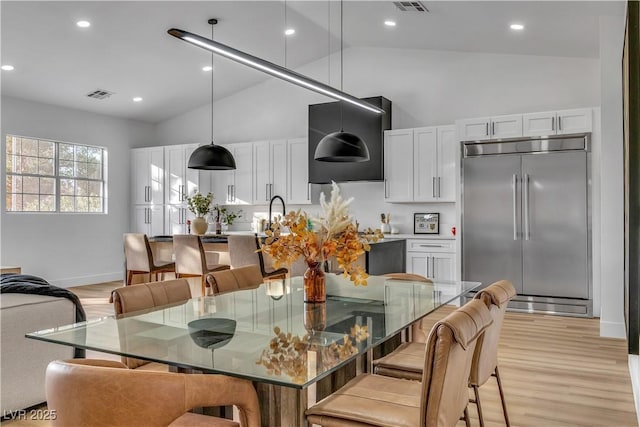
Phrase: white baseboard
(634,370)
(612,330)
(86,280)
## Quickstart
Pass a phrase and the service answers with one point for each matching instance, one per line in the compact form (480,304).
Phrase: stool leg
(467,421)
(129,277)
(477,402)
(204,285)
(504,404)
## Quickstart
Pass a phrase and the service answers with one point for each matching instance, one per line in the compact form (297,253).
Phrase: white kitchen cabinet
(557,122)
(431,175)
(398,167)
(270,170)
(484,128)
(148,219)
(298,187)
(180,181)
(433,258)
(147,172)
(176,217)
(233,187)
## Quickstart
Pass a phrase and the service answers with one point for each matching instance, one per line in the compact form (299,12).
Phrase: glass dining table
(295,353)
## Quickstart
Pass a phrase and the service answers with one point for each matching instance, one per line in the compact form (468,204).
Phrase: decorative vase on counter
(385,228)
(314,285)
(199,226)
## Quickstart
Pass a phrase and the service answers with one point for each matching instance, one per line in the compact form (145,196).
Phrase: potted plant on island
(200,206)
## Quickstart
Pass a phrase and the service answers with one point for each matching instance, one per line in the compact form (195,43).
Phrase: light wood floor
(556,371)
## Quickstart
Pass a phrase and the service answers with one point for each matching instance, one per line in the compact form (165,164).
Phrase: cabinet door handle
(431,246)
(233,193)
(493,128)
(525,196)
(559,123)
(433,266)
(309,191)
(514,184)
(270,191)
(266,192)
(439,195)
(228,193)
(486,129)
(385,188)
(553,124)
(433,187)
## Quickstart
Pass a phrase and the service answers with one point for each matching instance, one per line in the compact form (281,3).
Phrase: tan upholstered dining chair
(101,393)
(191,260)
(440,399)
(139,258)
(407,360)
(243,252)
(146,296)
(247,277)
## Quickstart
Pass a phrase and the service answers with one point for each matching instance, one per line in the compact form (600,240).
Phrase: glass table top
(266,334)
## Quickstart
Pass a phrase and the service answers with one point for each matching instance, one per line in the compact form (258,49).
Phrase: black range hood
(325,118)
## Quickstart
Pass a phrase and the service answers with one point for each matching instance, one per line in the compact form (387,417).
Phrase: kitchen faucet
(284,210)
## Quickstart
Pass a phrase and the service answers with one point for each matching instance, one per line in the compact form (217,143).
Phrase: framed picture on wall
(426,223)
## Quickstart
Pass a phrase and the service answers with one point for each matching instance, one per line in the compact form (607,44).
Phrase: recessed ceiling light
(83,24)
(389,23)
(289,32)
(7,67)
(207,68)
(517,27)
(137,99)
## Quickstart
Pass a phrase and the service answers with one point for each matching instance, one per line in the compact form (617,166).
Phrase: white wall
(611,179)
(426,88)
(71,249)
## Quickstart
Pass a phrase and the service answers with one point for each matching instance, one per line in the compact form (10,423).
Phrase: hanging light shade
(341,147)
(211,157)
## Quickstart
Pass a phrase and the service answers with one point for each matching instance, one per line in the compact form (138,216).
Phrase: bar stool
(139,258)
(191,260)
(243,252)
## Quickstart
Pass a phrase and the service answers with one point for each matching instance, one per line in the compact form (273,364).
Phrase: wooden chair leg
(467,420)
(203,282)
(129,277)
(504,404)
(477,402)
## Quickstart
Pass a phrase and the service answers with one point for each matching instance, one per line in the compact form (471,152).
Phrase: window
(51,176)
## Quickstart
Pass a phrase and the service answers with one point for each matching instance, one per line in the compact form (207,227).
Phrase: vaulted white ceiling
(127,49)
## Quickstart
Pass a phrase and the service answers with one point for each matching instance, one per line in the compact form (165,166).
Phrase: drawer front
(426,245)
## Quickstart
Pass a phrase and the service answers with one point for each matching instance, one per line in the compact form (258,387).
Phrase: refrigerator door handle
(525,207)
(514,190)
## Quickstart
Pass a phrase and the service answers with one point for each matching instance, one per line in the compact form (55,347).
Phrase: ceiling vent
(100,94)
(411,6)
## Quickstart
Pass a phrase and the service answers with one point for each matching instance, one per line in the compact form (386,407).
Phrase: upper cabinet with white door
(298,187)
(557,122)
(233,187)
(180,181)
(148,175)
(484,128)
(431,176)
(270,170)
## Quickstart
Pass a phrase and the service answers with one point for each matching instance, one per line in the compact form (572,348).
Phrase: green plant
(227,215)
(200,205)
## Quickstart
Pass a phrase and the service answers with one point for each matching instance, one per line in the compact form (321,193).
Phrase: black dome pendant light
(341,146)
(211,157)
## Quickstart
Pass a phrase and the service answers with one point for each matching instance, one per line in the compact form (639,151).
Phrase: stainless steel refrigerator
(525,218)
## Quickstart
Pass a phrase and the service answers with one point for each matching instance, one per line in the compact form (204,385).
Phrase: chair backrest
(146,296)
(485,359)
(247,277)
(189,253)
(449,353)
(78,389)
(242,250)
(408,277)
(137,252)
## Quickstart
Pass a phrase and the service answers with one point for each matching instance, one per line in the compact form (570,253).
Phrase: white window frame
(58,177)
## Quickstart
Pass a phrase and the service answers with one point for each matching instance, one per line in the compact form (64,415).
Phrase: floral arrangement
(316,239)
(287,353)
(226,215)
(200,205)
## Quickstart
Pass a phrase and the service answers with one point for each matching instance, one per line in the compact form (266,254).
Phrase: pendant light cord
(341,64)
(212,25)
